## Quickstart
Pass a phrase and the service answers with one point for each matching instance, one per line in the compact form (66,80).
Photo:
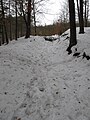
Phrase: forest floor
(40,81)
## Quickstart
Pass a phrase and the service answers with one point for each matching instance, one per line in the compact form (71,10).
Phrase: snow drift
(40,81)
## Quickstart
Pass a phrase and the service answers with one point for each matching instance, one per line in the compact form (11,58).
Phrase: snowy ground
(40,81)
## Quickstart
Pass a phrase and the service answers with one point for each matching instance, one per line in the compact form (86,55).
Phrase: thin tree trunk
(21,25)
(85,18)
(16,20)
(86,12)
(0,41)
(0,34)
(78,11)
(10,22)
(3,35)
(34,16)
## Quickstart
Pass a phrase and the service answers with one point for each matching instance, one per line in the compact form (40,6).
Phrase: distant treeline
(56,28)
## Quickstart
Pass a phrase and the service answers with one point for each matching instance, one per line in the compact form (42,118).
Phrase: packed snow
(40,81)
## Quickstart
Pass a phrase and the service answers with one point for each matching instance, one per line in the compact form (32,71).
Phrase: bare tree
(64,12)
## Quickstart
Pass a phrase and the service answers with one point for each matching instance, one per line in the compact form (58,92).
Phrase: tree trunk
(78,11)
(28,25)
(3,17)
(21,28)
(3,35)
(34,16)
(16,20)
(81,18)
(86,12)
(0,41)
(10,22)
(73,40)
(0,34)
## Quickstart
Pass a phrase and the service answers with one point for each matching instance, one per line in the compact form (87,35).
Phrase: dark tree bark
(81,18)
(85,13)
(21,27)
(3,41)
(0,27)
(16,20)
(73,40)
(0,34)
(28,23)
(3,18)
(10,21)
(0,42)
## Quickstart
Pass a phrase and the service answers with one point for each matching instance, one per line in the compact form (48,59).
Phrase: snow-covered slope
(40,81)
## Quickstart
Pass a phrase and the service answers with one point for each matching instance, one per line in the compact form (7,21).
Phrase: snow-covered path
(40,81)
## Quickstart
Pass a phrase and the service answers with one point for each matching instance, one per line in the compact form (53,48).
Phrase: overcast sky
(53,11)
(53,8)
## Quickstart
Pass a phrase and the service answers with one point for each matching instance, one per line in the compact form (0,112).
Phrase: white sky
(53,9)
